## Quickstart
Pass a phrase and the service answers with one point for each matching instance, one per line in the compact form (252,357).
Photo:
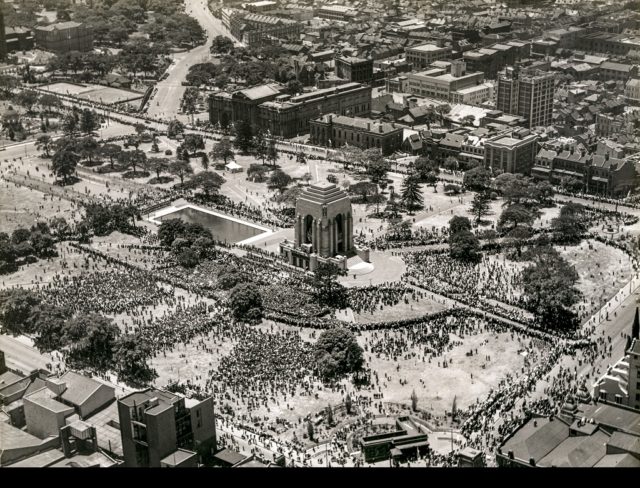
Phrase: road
(22,356)
(166,101)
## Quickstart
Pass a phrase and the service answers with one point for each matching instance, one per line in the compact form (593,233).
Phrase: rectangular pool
(222,228)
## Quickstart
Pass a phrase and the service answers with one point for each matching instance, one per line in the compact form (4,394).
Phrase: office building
(511,153)
(353,69)
(253,28)
(443,83)
(159,428)
(527,94)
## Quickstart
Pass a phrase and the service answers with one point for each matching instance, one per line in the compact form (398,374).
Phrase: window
(603,395)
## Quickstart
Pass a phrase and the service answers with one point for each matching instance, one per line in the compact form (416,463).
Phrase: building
(261,7)
(585,435)
(323,228)
(423,55)
(565,38)
(337,130)
(620,385)
(290,116)
(443,83)
(617,71)
(511,153)
(227,108)
(632,91)
(407,442)
(473,95)
(353,69)
(341,13)
(529,95)
(471,458)
(3,41)
(19,39)
(160,428)
(64,37)
(254,28)
(596,173)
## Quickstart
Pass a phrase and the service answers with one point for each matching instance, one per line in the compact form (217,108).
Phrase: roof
(625,442)
(79,387)
(261,91)
(616,66)
(95,459)
(537,438)
(59,26)
(360,123)
(145,395)
(230,456)
(618,461)
(613,416)
(577,452)
(41,460)
(13,438)
(177,457)
(426,48)
(45,398)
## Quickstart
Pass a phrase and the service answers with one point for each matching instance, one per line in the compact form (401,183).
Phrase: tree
(513,216)
(133,159)
(477,178)
(16,306)
(208,182)
(351,154)
(88,147)
(571,224)
(412,194)
(169,230)
(110,151)
(221,45)
(222,150)
(414,401)
(88,121)
(204,161)
(90,339)
(257,172)
(549,289)
(180,168)
(174,128)
(70,124)
(363,188)
(244,136)
(464,246)
(158,165)
(328,292)
(279,180)
(27,99)
(44,143)
(480,206)
(337,353)
(518,236)
(193,142)
(48,323)
(459,224)
(515,188)
(260,146)
(48,101)
(64,163)
(245,302)
(426,168)
(130,357)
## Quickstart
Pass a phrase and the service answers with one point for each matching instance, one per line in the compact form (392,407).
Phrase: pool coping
(172,209)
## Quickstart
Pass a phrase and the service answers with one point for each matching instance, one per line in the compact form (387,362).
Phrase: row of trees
(24,244)
(88,341)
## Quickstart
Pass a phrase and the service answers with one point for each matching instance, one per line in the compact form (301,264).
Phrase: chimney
(510,454)
(532,462)
(368,126)
(380,128)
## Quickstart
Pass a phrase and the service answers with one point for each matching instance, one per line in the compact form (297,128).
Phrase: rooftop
(79,387)
(426,48)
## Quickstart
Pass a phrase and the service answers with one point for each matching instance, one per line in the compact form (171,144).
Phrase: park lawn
(21,206)
(602,269)
(400,311)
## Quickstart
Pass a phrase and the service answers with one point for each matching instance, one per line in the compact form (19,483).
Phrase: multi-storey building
(18,39)
(289,117)
(253,29)
(3,43)
(227,108)
(439,84)
(597,173)
(261,7)
(353,69)
(337,130)
(527,94)
(423,55)
(336,12)
(565,38)
(511,153)
(617,71)
(64,37)
(159,428)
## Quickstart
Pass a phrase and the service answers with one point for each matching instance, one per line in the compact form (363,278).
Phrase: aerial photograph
(320,234)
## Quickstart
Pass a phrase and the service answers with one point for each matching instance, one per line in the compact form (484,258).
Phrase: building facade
(64,37)
(443,83)
(323,228)
(334,130)
(511,153)
(423,55)
(158,427)
(528,95)
(355,70)
(254,28)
